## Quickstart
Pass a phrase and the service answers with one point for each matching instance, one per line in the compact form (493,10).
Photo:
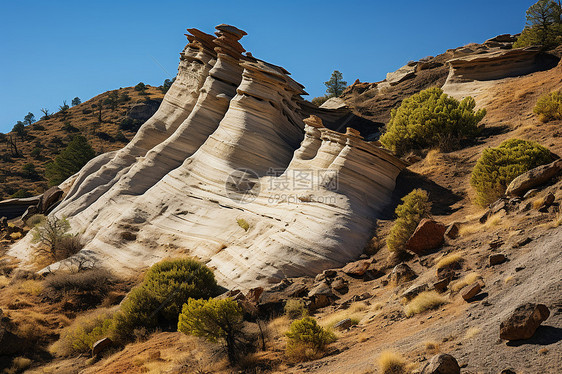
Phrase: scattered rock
(508,371)
(534,177)
(496,243)
(496,259)
(546,203)
(402,273)
(470,291)
(339,284)
(343,324)
(101,345)
(428,235)
(524,321)
(530,193)
(320,296)
(330,273)
(441,285)
(442,364)
(452,231)
(523,242)
(357,268)
(414,290)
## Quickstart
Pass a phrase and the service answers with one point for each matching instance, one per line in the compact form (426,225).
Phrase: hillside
(183,189)
(47,137)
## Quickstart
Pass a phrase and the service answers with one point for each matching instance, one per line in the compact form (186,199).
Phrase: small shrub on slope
(213,320)
(424,301)
(415,206)
(431,118)
(497,167)
(391,362)
(306,339)
(549,107)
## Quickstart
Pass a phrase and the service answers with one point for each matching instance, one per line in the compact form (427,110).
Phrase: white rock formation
(230,171)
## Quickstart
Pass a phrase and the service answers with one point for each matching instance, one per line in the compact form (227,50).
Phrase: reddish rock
(357,268)
(402,273)
(496,259)
(441,285)
(428,235)
(442,364)
(254,294)
(524,321)
(470,291)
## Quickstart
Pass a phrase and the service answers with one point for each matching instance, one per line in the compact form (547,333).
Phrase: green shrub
(306,339)
(549,107)
(166,286)
(431,118)
(243,224)
(414,207)
(497,167)
(213,320)
(28,171)
(84,331)
(295,308)
(21,193)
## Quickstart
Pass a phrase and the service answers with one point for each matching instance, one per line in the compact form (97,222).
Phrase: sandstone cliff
(234,170)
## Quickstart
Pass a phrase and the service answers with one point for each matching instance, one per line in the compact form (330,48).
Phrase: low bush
(94,280)
(497,167)
(470,278)
(307,339)
(414,207)
(295,308)
(84,331)
(320,100)
(549,107)
(431,118)
(424,301)
(56,243)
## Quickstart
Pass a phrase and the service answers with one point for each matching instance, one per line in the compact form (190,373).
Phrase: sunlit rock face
(235,169)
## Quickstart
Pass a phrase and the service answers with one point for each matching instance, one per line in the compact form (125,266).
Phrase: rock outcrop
(234,168)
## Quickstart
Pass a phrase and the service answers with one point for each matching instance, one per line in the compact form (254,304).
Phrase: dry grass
(4,281)
(391,362)
(472,332)
(355,312)
(453,258)
(32,287)
(508,279)
(424,301)
(431,347)
(465,281)
(19,364)
(492,221)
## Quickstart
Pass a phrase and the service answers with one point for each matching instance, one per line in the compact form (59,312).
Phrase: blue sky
(52,51)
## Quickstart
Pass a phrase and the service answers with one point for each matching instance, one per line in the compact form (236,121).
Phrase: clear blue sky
(52,51)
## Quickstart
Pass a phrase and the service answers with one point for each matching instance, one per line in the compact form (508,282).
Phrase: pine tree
(336,84)
(76,154)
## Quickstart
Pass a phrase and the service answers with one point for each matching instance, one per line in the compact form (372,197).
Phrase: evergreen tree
(76,154)
(76,101)
(544,25)
(336,84)
(29,118)
(19,128)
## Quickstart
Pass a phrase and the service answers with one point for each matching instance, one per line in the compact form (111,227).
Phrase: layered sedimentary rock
(235,169)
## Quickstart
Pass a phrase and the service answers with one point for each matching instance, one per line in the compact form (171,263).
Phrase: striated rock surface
(236,169)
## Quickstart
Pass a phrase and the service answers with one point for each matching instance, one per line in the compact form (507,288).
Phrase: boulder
(339,284)
(320,296)
(470,291)
(442,364)
(344,324)
(427,236)
(357,268)
(49,198)
(496,259)
(402,273)
(452,231)
(100,346)
(524,321)
(414,290)
(143,111)
(441,285)
(534,177)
